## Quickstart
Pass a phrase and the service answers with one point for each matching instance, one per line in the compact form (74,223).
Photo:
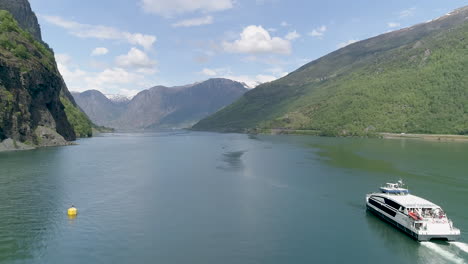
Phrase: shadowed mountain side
(98,107)
(160,106)
(36,107)
(31,109)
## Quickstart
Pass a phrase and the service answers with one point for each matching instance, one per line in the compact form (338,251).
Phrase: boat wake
(441,251)
(460,245)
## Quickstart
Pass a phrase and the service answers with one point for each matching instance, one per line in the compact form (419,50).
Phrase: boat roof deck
(410,201)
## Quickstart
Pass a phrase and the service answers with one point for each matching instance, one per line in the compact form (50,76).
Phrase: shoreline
(383,135)
(10,145)
(428,137)
(48,138)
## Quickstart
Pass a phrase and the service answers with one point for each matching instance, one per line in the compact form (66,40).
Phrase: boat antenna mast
(401,184)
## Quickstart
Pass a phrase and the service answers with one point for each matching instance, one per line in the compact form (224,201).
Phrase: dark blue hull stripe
(393,222)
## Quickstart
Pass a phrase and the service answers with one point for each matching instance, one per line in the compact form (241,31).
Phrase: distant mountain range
(118,98)
(414,80)
(160,106)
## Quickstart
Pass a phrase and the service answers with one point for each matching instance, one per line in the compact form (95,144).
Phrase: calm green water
(223,198)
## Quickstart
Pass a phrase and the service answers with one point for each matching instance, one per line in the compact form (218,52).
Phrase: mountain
(35,105)
(98,107)
(21,11)
(414,80)
(160,106)
(118,98)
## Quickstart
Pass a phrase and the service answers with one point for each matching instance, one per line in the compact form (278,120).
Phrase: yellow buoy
(72,211)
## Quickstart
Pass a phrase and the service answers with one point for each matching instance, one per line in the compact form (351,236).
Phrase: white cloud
(71,76)
(255,39)
(128,92)
(277,71)
(209,72)
(318,32)
(284,24)
(62,58)
(135,58)
(393,24)
(112,80)
(199,21)
(112,76)
(292,35)
(346,43)
(262,78)
(116,80)
(407,12)
(146,41)
(251,81)
(99,51)
(169,8)
(101,32)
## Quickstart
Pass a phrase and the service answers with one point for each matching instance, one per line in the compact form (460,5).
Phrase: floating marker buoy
(72,211)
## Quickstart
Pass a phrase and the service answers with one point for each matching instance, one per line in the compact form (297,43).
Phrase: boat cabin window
(392,204)
(382,207)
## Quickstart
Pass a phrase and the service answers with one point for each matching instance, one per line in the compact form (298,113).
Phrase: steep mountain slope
(98,107)
(21,11)
(32,91)
(161,107)
(30,86)
(413,80)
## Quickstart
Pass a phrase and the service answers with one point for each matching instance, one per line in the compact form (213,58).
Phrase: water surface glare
(190,197)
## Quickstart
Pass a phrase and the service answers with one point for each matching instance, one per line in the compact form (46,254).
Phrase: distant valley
(160,107)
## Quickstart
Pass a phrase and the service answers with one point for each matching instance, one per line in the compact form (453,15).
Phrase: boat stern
(451,234)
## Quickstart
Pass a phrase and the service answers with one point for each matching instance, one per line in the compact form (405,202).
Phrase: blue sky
(125,46)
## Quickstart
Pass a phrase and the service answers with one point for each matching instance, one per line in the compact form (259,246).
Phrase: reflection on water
(393,238)
(398,241)
(162,197)
(232,160)
(343,156)
(253,136)
(28,203)
(72,217)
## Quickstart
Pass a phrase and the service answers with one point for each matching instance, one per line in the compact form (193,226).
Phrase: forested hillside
(414,80)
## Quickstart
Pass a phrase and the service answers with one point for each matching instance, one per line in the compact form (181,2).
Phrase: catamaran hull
(441,237)
(415,236)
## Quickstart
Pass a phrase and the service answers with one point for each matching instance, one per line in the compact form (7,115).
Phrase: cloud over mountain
(255,39)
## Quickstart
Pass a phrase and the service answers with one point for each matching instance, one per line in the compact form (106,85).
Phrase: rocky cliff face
(31,110)
(30,98)
(21,11)
(160,106)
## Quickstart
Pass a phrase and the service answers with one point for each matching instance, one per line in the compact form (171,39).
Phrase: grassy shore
(432,137)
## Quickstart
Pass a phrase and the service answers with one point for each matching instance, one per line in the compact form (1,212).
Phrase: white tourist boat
(416,216)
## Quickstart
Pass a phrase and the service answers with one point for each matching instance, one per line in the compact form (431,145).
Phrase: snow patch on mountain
(118,98)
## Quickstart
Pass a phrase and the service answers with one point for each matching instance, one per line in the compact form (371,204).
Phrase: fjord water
(189,197)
